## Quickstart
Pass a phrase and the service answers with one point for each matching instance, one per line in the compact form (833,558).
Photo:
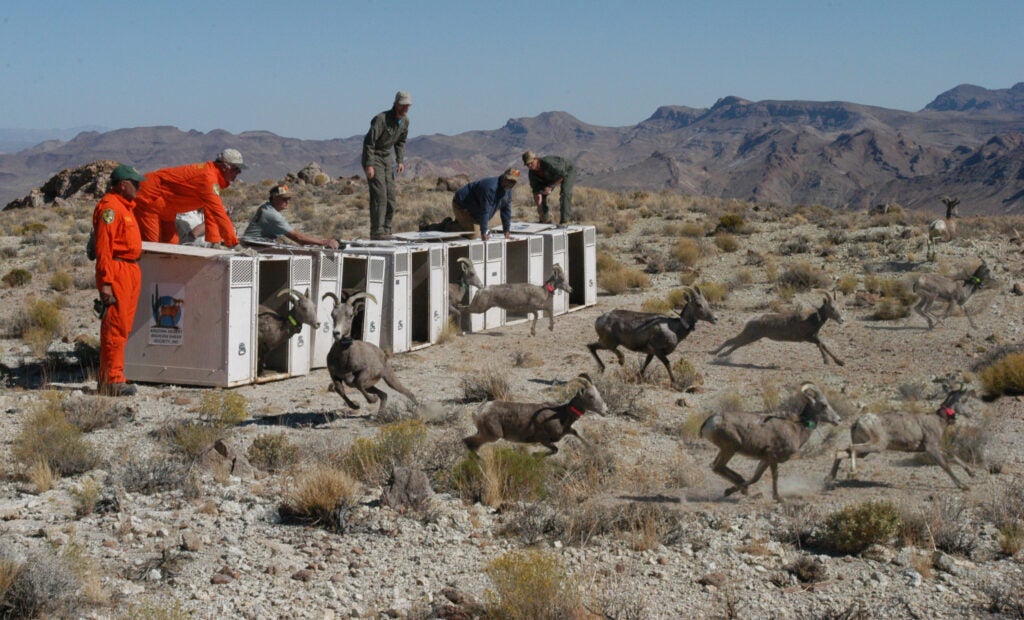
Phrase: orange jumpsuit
(170,191)
(118,247)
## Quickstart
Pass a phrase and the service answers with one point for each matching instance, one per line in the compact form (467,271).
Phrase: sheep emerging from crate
(787,327)
(657,335)
(275,327)
(542,423)
(770,439)
(523,298)
(920,432)
(933,287)
(458,292)
(356,363)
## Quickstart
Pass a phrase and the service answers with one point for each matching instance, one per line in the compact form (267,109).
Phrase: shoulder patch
(107,215)
(216,189)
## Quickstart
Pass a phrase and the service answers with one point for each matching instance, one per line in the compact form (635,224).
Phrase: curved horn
(332,296)
(809,390)
(585,377)
(282,292)
(556,268)
(465,261)
(362,295)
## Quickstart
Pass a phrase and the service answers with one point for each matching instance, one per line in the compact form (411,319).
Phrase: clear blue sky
(321,69)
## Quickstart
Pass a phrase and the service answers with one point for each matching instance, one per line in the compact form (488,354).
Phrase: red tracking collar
(576,412)
(950,414)
(549,287)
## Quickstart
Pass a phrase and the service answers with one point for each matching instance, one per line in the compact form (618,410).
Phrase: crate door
(328,281)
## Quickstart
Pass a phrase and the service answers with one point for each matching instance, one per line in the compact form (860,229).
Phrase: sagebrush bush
(192,438)
(47,435)
(687,251)
(44,585)
(273,452)
(726,242)
(85,496)
(373,460)
(321,496)
(500,476)
(1003,375)
(731,222)
(93,413)
(686,374)
(17,277)
(855,528)
(617,278)
(488,384)
(802,276)
(151,474)
(224,408)
(61,281)
(530,585)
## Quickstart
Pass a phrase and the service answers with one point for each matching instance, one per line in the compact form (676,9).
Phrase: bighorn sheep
(523,298)
(275,327)
(770,439)
(458,292)
(920,432)
(356,363)
(787,327)
(944,229)
(656,335)
(542,423)
(932,287)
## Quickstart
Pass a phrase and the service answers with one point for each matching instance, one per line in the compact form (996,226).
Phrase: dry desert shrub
(687,251)
(47,435)
(94,413)
(61,281)
(17,277)
(530,585)
(855,528)
(617,278)
(714,292)
(149,474)
(1002,374)
(42,476)
(484,385)
(41,585)
(726,242)
(500,476)
(321,496)
(396,445)
(847,284)
(224,408)
(273,452)
(802,276)
(85,496)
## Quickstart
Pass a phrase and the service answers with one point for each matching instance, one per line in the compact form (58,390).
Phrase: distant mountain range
(968,142)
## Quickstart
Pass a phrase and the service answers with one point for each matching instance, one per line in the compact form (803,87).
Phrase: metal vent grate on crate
(302,269)
(242,272)
(401,263)
(589,236)
(495,250)
(476,253)
(377,270)
(435,258)
(558,243)
(536,245)
(329,265)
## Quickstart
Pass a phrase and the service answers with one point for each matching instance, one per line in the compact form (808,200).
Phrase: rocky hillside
(838,154)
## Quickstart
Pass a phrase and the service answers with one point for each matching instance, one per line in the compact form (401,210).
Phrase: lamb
(920,432)
(770,439)
(276,326)
(945,229)
(357,363)
(458,292)
(656,335)
(542,423)
(787,327)
(933,287)
(522,297)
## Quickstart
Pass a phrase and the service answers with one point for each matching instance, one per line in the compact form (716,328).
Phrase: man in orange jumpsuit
(170,191)
(118,277)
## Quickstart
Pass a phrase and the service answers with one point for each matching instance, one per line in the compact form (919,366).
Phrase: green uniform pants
(383,198)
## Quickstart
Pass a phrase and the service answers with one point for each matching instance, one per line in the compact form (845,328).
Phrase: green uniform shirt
(552,168)
(386,131)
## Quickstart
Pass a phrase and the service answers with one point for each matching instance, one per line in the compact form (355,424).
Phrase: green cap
(125,172)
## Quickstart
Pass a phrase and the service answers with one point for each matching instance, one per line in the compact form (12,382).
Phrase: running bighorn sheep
(770,439)
(944,229)
(656,335)
(357,363)
(922,432)
(933,287)
(521,297)
(458,292)
(787,327)
(275,327)
(542,423)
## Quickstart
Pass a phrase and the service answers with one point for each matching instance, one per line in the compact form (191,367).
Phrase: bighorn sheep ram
(542,423)
(356,363)
(275,327)
(787,327)
(770,439)
(656,335)
(920,432)
(944,229)
(458,292)
(522,297)
(932,287)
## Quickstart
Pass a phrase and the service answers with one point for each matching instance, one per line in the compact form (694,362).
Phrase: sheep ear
(696,289)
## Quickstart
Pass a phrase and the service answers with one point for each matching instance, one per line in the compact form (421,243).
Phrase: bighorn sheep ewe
(656,335)
(275,327)
(920,432)
(542,423)
(944,229)
(458,292)
(932,287)
(787,327)
(770,439)
(522,297)
(356,363)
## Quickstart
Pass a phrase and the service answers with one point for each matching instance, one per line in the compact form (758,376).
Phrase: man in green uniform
(388,130)
(545,174)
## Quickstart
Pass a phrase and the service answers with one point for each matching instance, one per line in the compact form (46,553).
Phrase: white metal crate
(474,252)
(524,262)
(360,272)
(395,301)
(494,273)
(196,318)
(581,245)
(276,272)
(556,253)
(428,291)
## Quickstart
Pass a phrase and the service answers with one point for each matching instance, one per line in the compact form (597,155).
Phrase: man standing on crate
(118,278)
(268,223)
(476,203)
(546,173)
(170,191)
(388,130)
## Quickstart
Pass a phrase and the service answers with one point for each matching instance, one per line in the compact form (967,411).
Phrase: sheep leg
(396,385)
(552,448)
(381,395)
(719,467)
(919,308)
(473,442)
(364,383)
(339,387)
(824,350)
(533,326)
(572,431)
(594,347)
(647,361)
(775,480)
(956,459)
(734,343)
(936,453)
(668,369)
(840,455)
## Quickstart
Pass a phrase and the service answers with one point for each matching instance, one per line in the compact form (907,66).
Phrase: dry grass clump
(42,585)
(799,244)
(686,375)
(895,298)
(488,384)
(617,278)
(224,408)
(321,496)
(714,292)
(1002,374)
(48,436)
(42,476)
(530,585)
(501,476)
(273,452)
(396,445)
(94,413)
(17,277)
(847,284)
(151,474)
(687,251)
(802,276)
(855,528)
(61,281)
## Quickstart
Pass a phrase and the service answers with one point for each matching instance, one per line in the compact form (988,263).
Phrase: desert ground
(154,524)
